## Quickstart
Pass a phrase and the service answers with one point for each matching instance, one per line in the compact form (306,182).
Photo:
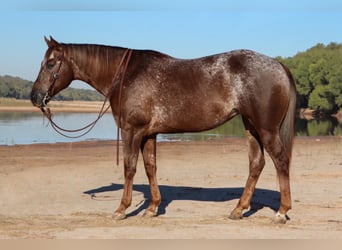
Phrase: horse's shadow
(261,197)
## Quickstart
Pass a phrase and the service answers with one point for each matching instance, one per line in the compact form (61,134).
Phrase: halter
(53,79)
(47,113)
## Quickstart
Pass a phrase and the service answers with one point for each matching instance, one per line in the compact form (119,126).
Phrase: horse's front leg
(148,148)
(132,142)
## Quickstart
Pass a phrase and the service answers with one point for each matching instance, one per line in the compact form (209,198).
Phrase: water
(28,128)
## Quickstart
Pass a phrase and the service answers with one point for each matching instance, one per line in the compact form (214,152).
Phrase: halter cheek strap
(54,77)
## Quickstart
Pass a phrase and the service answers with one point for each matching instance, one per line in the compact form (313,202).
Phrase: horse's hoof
(280,218)
(235,216)
(119,216)
(149,214)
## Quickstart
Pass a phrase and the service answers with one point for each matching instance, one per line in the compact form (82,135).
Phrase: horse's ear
(51,43)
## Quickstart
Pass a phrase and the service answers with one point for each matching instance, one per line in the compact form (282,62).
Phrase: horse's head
(55,74)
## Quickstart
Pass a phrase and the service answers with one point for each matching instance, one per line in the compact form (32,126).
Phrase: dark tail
(287,126)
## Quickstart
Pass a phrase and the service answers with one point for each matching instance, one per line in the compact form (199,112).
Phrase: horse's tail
(287,126)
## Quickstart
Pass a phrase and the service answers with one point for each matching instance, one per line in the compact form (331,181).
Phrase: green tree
(318,75)
(320,98)
(15,87)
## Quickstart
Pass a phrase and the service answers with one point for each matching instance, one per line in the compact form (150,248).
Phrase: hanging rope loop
(105,107)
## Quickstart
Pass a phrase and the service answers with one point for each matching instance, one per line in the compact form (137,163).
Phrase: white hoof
(280,218)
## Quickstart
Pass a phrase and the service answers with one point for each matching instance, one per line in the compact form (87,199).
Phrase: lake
(28,128)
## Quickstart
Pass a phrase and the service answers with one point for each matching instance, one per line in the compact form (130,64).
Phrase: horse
(156,93)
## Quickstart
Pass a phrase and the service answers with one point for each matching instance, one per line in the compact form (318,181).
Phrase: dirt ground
(71,191)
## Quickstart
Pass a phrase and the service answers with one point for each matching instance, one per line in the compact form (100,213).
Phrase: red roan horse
(162,94)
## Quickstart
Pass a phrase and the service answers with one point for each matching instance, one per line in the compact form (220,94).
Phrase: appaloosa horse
(162,94)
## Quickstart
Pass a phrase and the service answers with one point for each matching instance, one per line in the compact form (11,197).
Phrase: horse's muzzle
(39,99)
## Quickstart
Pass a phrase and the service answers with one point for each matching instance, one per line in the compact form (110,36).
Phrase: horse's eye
(50,64)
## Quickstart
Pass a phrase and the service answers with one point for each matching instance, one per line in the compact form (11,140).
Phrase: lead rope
(47,113)
(119,105)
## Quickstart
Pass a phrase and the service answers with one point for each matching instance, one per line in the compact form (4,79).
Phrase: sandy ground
(71,191)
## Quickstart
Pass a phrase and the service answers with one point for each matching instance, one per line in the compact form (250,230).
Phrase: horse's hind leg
(148,149)
(256,165)
(281,160)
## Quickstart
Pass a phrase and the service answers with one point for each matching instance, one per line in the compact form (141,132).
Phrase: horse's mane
(100,59)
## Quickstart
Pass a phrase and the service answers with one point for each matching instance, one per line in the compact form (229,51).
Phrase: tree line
(317,71)
(318,75)
(15,87)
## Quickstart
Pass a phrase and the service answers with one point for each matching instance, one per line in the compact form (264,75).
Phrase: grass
(11,102)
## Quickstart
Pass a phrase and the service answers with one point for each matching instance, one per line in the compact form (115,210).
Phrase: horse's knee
(130,166)
(130,172)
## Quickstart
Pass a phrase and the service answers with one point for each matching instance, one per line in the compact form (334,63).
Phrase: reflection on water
(27,128)
(232,128)
(319,127)
(235,127)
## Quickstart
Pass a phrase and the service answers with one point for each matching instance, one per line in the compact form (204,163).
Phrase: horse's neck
(96,65)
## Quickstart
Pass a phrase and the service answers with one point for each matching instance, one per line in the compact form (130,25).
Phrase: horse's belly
(194,118)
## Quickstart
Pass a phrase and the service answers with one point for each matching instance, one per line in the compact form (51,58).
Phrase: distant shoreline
(14,105)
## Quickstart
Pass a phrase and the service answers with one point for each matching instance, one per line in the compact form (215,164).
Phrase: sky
(181,28)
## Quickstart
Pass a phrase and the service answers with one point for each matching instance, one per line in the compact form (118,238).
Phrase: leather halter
(126,56)
(53,79)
